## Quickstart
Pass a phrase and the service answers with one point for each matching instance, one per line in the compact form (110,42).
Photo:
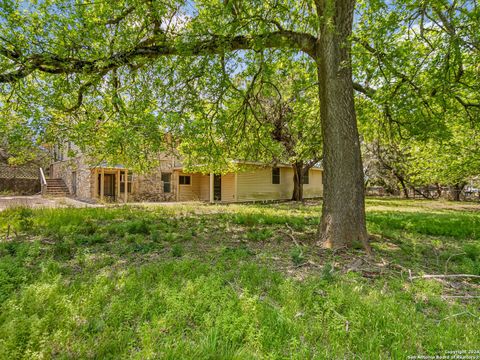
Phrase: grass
(227,282)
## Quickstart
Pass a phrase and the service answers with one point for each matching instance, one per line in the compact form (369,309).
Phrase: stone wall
(145,187)
(149,187)
(20,186)
(20,180)
(65,170)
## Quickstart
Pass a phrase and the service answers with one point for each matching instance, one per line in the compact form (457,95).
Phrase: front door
(217,187)
(108,186)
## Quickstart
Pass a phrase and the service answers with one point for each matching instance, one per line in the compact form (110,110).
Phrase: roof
(256,163)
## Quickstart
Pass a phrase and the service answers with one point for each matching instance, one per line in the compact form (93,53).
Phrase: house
(171,182)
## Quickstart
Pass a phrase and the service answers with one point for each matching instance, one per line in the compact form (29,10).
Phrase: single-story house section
(255,183)
(169,182)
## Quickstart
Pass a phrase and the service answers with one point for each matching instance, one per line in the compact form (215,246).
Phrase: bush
(259,234)
(177,250)
(297,255)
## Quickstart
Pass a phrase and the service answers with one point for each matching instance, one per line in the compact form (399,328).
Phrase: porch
(111,184)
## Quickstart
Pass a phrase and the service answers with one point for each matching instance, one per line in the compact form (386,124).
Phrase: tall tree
(271,118)
(50,49)
(419,102)
(296,135)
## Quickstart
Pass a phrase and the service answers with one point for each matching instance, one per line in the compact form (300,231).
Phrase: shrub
(138,227)
(177,251)
(297,256)
(259,234)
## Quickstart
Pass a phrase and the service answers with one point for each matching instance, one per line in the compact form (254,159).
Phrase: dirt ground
(37,201)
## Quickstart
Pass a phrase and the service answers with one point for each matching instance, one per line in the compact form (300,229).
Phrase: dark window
(306,178)
(122,182)
(74,182)
(217,187)
(184,180)
(166,178)
(275,175)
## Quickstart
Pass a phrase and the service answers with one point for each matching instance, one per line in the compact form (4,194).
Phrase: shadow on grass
(175,283)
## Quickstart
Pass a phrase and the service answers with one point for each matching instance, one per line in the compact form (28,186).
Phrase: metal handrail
(43,181)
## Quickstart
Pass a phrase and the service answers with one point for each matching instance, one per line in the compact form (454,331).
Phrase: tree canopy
(115,76)
(420,103)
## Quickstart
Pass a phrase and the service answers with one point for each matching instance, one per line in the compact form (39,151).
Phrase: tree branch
(214,44)
(116,20)
(366,90)
(466,104)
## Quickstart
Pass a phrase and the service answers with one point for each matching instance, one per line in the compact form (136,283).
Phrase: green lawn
(221,282)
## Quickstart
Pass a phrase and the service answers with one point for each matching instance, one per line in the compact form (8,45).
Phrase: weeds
(297,255)
(177,250)
(194,281)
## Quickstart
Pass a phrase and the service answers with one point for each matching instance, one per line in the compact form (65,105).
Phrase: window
(275,175)
(122,182)
(57,153)
(184,180)
(306,178)
(74,183)
(166,178)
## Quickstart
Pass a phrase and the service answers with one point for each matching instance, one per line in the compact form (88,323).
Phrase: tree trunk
(402,183)
(297,182)
(439,190)
(456,190)
(343,214)
(421,193)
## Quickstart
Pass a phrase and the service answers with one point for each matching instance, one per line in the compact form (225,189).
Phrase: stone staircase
(56,187)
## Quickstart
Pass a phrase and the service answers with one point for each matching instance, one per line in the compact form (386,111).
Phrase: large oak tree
(93,60)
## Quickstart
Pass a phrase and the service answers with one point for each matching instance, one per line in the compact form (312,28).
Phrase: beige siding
(315,186)
(256,184)
(228,187)
(200,188)
(192,191)
(205,187)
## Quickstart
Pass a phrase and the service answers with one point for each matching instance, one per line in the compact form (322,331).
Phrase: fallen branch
(309,262)
(444,276)
(300,265)
(290,235)
(289,227)
(455,315)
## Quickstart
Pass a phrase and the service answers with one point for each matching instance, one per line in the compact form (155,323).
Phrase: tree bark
(343,215)
(456,190)
(298,171)
(404,186)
